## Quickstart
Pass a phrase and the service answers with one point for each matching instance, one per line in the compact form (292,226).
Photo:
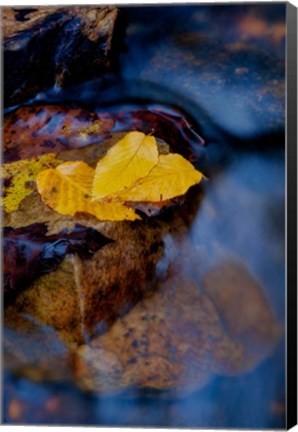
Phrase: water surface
(225,78)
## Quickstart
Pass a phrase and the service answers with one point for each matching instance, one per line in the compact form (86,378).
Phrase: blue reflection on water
(244,402)
(248,219)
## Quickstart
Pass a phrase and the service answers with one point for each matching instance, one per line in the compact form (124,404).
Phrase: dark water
(222,67)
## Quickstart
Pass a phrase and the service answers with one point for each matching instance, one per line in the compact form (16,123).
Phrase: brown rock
(178,338)
(44,46)
(83,294)
(243,307)
(175,338)
(54,300)
(171,340)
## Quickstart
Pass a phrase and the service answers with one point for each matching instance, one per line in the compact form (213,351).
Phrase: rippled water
(186,61)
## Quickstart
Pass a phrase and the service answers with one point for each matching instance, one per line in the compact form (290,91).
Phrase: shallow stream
(205,346)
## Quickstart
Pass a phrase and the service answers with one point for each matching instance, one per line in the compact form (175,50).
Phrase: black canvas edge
(291,216)
(1,226)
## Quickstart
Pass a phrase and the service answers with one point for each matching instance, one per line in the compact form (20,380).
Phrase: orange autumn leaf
(127,161)
(67,190)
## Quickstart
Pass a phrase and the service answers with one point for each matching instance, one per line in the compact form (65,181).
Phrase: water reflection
(243,216)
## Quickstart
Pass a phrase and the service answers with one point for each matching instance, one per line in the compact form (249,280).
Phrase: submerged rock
(243,307)
(178,338)
(85,293)
(33,350)
(172,341)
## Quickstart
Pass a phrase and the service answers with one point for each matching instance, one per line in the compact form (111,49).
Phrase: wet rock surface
(44,46)
(29,253)
(38,129)
(31,131)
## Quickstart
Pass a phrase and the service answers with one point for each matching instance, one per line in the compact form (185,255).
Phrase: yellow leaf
(67,190)
(19,178)
(171,177)
(127,161)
